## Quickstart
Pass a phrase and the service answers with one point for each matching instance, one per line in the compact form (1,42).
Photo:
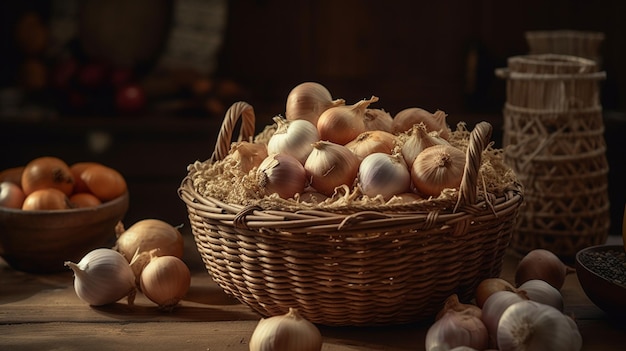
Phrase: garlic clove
(293,138)
(288,332)
(103,276)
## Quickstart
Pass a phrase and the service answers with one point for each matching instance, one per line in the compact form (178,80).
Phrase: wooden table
(42,312)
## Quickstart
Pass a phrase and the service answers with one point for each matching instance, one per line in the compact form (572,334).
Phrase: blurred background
(143,85)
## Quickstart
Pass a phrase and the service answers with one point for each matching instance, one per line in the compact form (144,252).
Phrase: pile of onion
(326,146)
(49,183)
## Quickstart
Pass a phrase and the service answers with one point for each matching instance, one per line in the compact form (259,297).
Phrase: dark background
(408,53)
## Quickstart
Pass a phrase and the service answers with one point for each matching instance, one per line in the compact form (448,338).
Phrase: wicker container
(387,265)
(554,140)
(566,42)
(41,241)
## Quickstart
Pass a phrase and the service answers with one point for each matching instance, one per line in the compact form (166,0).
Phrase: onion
(378,119)
(407,118)
(147,235)
(544,265)
(331,165)
(281,174)
(436,168)
(308,100)
(417,141)
(341,124)
(165,280)
(372,141)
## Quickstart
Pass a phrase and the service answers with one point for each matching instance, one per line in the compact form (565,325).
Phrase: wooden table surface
(42,312)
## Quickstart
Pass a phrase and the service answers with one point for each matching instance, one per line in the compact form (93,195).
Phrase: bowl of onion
(601,271)
(50,224)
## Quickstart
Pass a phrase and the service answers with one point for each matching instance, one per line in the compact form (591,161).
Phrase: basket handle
(237,110)
(479,138)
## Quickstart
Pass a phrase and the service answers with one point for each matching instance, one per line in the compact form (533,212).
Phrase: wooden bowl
(604,293)
(41,241)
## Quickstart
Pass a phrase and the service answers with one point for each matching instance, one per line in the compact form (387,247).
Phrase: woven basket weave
(359,267)
(554,140)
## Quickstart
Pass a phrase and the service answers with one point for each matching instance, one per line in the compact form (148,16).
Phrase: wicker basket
(554,140)
(566,42)
(360,267)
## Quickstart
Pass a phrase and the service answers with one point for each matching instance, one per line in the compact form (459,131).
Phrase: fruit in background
(93,75)
(82,200)
(46,199)
(130,98)
(11,195)
(121,76)
(47,172)
(63,73)
(13,175)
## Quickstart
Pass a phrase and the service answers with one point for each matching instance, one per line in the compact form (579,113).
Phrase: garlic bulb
(542,292)
(529,325)
(456,329)
(331,165)
(308,100)
(281,174)
(378,119)
(372,141)
(248,155)
(293,138)
(288,332)
(165,280)
(494,307)
(383,174)
(103,276)
(436,168)
(452,303)
(341,124)
(417,140)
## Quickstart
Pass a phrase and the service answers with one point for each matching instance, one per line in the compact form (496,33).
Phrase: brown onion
(544,265)
(331,165)
(407,118)
(341,124)
(436,168)
(371,142)
(308,100)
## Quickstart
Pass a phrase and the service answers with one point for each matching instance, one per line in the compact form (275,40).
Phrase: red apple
(130,98)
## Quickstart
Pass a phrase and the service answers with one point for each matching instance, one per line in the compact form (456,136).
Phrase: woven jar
(554,140)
